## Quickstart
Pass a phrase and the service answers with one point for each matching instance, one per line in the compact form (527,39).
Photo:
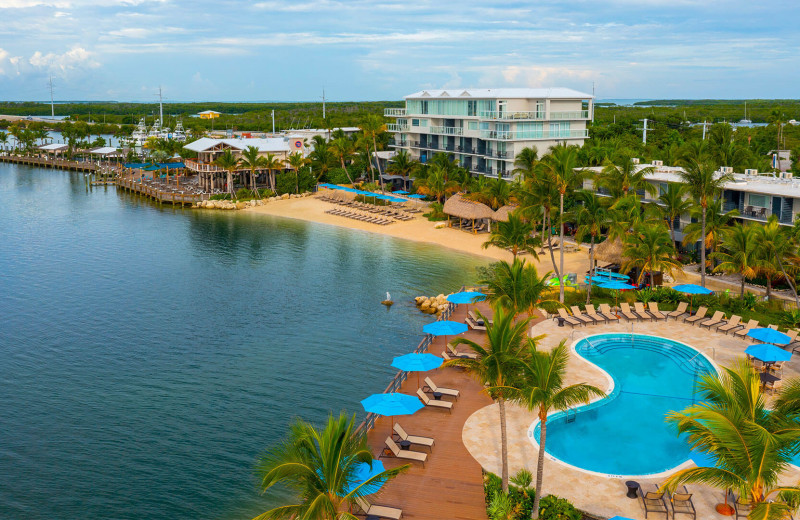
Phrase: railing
(397,381)
(574,114)
(447,130)
(394,127)
(197,166)
(394,112)
(499,155)
(512,115)
(509,135)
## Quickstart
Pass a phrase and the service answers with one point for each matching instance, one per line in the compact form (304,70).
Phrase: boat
(745,121)
(139,136)
(179,134)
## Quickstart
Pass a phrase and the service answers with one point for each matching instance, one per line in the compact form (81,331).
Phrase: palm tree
(525,163)
(703,184)
(297,161)
(342,149)
(435,184)
(777,249)
(541,389)
(320,466)
(402,164)
(372,126)
(673,205)
(591,216)
(517,287)
(560,167)
(229,163)
(496,193)
(751,444)
(515,234)
(272,163)
(739,252)
(717,222)
(3,139)
(649,249)
(498,361)
(253,160)
(624,177)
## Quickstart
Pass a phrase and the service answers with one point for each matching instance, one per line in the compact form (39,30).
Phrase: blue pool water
(625,433)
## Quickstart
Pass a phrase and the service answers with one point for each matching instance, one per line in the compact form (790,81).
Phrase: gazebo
(609,251)
(55,148)
(465,209)
(501,215)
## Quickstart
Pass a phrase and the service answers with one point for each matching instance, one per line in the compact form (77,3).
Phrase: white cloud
(75,58)
(27,4)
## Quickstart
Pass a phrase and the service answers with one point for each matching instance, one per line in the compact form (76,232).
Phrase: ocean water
(149,354)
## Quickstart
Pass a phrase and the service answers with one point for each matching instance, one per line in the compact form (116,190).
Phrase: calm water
(147,355)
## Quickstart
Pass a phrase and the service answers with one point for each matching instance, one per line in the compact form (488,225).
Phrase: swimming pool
(625,433)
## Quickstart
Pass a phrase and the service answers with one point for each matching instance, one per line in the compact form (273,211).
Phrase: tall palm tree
(272,164)
(517,287)
(320,466)
(739,252)
(297,161)
(515,234)
(540,388)
(342,149)
(435,184)
(3,139)
(623,177)
(253,160)
(649,248)
(402,164)
(674,204)
(704,185)
(496,193)
(751,444)
(777,249)
(717,222)
(372,126)
(497,363)
(228,162)
(591,216)
(560,167)
(525,162)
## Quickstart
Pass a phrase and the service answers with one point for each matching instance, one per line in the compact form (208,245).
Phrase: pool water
(626,432)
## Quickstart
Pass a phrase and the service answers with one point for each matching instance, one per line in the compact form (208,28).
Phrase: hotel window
(540,109)
(415,122)
(472,108)
(472,125)
(533,130)
(484,126)
(424,107)
(758,200)
(662,188)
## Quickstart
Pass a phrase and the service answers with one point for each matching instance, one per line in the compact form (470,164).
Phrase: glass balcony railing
(447,130)
(536,115)
(394,112)
(510,135)
(394,127)
(563,116)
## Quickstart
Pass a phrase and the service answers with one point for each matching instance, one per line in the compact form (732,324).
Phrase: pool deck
(601,496)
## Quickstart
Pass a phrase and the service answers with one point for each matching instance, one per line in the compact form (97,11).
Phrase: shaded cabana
(106,152)
(501,215)
(465,209)
(55,149)
(609,251)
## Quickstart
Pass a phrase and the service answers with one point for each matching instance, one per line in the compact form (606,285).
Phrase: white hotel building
(485,129)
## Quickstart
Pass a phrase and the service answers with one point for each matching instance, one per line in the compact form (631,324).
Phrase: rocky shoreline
(432,304)
(233,205)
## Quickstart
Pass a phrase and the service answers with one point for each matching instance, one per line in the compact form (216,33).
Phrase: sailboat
(745,121)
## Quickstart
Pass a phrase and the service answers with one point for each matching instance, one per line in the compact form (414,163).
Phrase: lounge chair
(773,327)
(652,308)
(626,312)
(596,317)
(742,507)
(444,391)
(474,325)
(715,321)
(447,405)
(653,502)
(395,450)
(456,353)
(380,511)
(639,310)
(700,315)
(682,503)
(413,439)
(576,312)
(474,316)
(680,311)
(773,386)
(605,309)
(569,319)
(732,324)
(743,331)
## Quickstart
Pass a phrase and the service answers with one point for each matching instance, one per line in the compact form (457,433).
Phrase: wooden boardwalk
(159,193)
(451,483)
(59,164)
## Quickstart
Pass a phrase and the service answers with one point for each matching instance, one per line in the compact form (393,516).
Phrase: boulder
(424,306)
(285,196)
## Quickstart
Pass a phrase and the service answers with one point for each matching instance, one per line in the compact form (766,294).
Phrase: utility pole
(705,125)
(273,122)
(644,131)
(160,107)
(52,105)
(593,100)
(323,102)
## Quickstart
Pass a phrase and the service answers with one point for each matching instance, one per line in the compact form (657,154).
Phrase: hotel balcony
(527,135)
(447,130)
(394,112)
(198,166)
(758,213)
(394,127)
(535,116)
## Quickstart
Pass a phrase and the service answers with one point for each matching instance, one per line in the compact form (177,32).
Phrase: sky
(274,50)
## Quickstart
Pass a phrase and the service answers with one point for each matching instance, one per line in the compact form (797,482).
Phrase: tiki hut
(467,213)
(501,215)
(610,251)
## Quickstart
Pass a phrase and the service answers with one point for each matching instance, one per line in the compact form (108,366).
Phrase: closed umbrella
(392,404)
(692,289)
(768,335)
(417,362)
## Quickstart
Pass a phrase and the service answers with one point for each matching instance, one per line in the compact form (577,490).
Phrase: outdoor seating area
(355,215)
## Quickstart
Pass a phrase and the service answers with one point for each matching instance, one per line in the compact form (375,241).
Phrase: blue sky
(233,50)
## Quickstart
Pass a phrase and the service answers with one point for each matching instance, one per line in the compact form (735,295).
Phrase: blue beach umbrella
(364,472)
(768,353)
(466,297)
(444,328)
(415,362)
(768,335)
(692,289)
(620,518)
(415,196)
(616,285)
(401,192)
(392,404)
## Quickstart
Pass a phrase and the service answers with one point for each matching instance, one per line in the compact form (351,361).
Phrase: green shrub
(552,507)
(791,318)
(518,503)
(287,183)
(265,193)
(436,213)
(337,176)
(220,196)
(244,194)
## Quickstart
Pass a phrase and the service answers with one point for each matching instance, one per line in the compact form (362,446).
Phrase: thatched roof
(501,215)
(610,251)
(458,206)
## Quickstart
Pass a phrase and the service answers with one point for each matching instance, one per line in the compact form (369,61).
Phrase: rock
(424,306)
(439,225)
(429,310)
(285,196)
(240,205)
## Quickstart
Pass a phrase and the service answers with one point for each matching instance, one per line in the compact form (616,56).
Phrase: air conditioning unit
(750,171)
(635,160)
(786,175)
(658,163)
(726,169)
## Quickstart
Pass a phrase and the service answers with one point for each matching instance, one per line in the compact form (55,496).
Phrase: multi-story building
(485,129)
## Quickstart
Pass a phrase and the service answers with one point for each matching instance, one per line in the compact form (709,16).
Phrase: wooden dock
(451,483)
(158,194)
(45,162)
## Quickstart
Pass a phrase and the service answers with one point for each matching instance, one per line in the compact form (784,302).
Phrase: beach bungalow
(468,214)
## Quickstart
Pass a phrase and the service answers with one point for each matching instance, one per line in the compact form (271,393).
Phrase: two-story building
(485,129)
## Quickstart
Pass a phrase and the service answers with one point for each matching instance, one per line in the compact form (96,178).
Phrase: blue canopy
(444,328)
(171,165)
(400,192)
(136,165)
(620,518)
(396,199)
(151,168)
(466,297)
(383,197)
(392,404)
(768,353)
(690,288)
(416,196)
(417,362)
(768,335)
(616,285)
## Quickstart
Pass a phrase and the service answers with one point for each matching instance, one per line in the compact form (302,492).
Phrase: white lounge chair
(416,456)
(447,405)
(392,513)
(680,311)
(444,391)
(413,439)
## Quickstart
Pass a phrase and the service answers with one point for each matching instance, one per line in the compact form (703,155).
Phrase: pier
(161,192)
(45,162)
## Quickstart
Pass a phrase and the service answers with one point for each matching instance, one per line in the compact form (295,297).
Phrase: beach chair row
(360,216)
(381,210)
